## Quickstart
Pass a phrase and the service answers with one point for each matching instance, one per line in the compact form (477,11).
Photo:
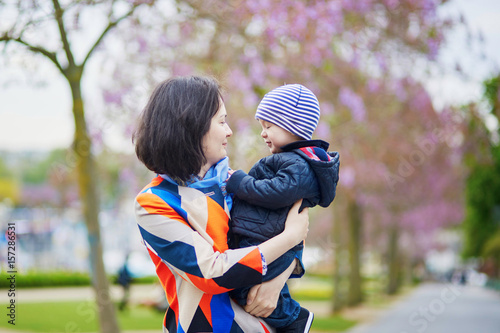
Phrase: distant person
(183,215)
(124,279)
(299,168)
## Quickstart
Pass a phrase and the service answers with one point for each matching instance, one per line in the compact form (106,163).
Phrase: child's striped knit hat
(292,107)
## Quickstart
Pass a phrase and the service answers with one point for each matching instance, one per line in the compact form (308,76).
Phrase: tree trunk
(354,296)
(338,272)
(87,181)
(393,263)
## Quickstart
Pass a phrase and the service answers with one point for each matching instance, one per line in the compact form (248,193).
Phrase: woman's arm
(296,229)
(263,298)
(192,255)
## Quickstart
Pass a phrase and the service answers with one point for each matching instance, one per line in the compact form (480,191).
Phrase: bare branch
(62,31)
(110,26)
(37,49)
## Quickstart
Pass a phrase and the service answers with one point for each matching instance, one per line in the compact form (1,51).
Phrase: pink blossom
(354,62)
(433,48)
(114,97)
(126,175)
(323,130)
(421,101)
(392,4)
(239,81)
(381,61)
(327,108)
(354,102)
(257,72)
(186,30)
(143,45)
(276,71)
(250,100)
(347,177)
(96,134)
(181,68)
(314,56)
(360,6)
(373,85)
(242,125)
(398,88)
(36,195)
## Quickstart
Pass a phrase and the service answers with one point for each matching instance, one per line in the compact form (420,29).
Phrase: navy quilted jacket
(262,199)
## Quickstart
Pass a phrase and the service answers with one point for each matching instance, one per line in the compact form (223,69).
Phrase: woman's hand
(263,298)
(297,224)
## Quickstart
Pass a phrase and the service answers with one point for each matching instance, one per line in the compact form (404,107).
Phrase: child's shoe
(302,324)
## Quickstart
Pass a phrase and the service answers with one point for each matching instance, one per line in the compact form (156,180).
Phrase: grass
(56,317)
(311,295)
(332,324)
(37,279)
(77,317)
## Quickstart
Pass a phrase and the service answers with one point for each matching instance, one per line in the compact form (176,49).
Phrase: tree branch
(110,26)
(36,49)
(62,31)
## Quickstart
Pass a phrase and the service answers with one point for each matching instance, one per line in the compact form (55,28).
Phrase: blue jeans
(287,309)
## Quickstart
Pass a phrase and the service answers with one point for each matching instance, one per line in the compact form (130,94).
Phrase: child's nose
(263,134)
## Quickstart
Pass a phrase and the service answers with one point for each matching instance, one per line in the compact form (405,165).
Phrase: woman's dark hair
(168,138)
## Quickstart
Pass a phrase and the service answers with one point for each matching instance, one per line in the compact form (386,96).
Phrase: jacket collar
(305,143)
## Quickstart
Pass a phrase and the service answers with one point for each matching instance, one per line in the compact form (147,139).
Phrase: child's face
(275,136)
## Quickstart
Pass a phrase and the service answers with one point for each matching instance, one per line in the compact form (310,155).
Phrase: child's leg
(240,295)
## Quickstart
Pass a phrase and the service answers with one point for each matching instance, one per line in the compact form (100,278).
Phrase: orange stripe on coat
(253,260)
(206,285)
(167,281)
(218,225)
(153,204)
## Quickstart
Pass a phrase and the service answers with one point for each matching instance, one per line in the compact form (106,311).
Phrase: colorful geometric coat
(185,231)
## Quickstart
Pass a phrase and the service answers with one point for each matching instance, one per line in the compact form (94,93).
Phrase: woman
(183,214)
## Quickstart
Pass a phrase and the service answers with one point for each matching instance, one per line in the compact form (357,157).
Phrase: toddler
(299,168)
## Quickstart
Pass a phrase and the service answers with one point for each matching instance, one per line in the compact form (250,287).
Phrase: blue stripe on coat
(178,254)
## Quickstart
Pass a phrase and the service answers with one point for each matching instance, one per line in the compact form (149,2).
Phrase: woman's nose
(228,131)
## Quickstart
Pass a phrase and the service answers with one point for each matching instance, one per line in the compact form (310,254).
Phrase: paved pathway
(440,308)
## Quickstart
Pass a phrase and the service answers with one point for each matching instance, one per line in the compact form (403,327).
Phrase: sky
(35,109)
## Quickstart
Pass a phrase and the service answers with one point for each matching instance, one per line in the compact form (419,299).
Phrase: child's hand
(229,174)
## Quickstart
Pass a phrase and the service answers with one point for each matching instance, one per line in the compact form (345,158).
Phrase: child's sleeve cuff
(264,263)
(234,181)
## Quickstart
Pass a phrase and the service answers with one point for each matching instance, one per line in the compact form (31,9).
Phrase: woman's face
(215,141)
